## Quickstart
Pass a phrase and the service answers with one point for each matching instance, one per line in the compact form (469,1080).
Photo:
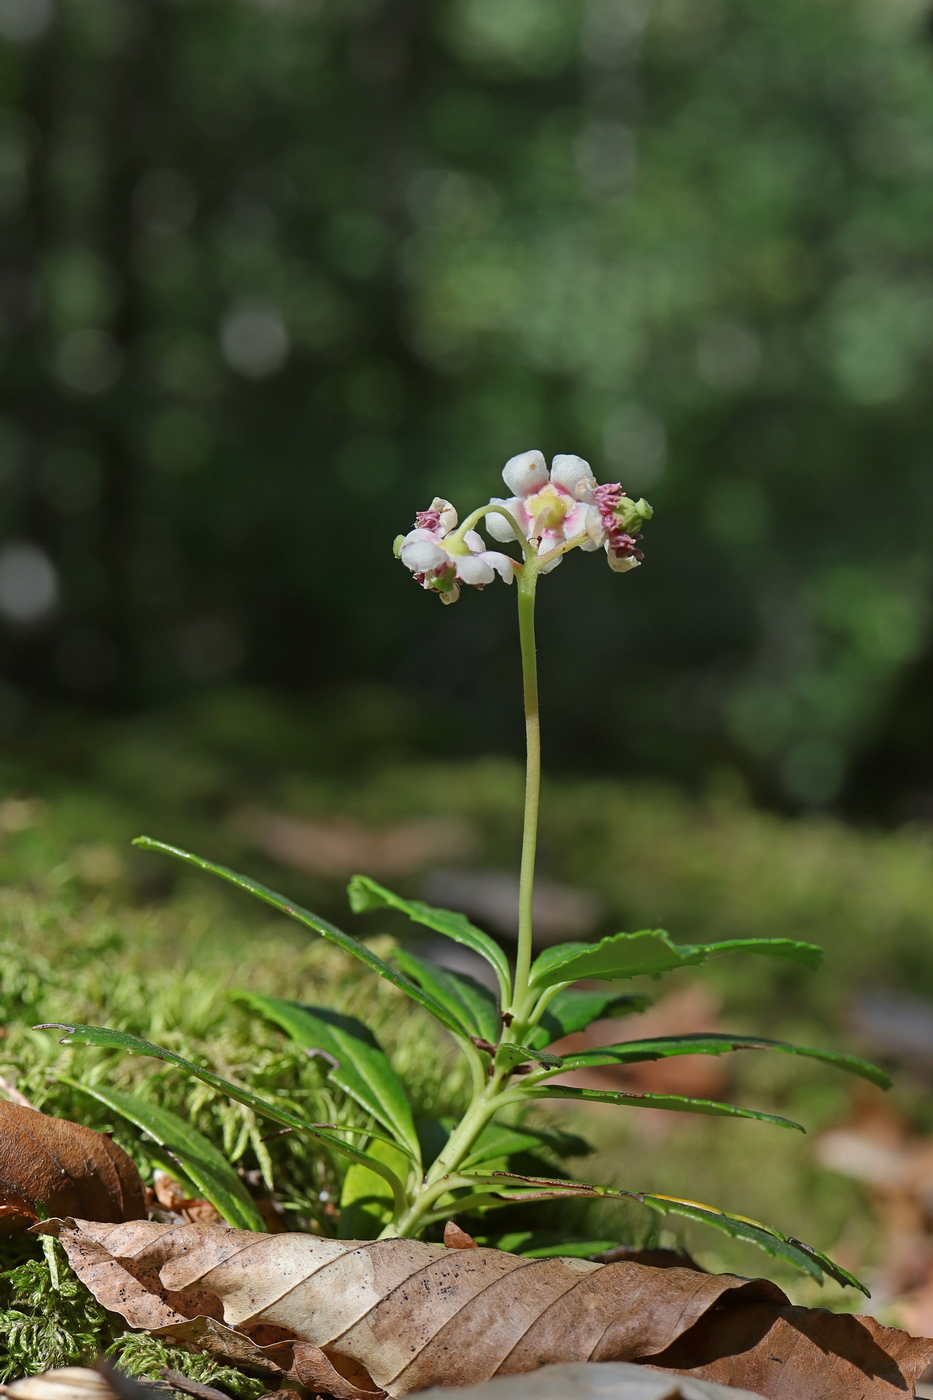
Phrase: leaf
(678,1102)
(662,1047)
(650,953)
(132,1045)
(472,1004)
(773,1242)
(365,894)
(366,1201)
(322,926)
(414,1314)
(543,1244)
(361,1067)
(82,1383)
(740,1227)
(51,1166)
(205,1167)
(604,1380)
(509,1054)
(498,1142)
(573,1010)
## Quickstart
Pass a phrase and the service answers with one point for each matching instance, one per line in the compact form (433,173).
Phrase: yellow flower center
(548,507)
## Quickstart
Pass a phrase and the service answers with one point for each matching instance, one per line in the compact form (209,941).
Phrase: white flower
(554,507)
(549,507)
(441,561)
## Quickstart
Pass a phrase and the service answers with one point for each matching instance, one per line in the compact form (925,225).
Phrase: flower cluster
(565,506)
(441,558)
(555,511)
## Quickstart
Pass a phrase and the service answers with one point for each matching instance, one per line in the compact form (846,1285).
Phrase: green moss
(47,1316)
(138,1354)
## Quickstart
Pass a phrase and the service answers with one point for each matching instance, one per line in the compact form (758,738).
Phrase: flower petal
(474,541)
(473,569)
(525,473)
(503,565)
(447,513)
(422,555)
(573,474)
(593,525)
(498,526)
(620,564)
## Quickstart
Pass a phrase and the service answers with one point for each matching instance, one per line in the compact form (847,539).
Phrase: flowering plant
(398,1184)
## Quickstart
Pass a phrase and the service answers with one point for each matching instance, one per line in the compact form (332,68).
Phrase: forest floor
(95,931)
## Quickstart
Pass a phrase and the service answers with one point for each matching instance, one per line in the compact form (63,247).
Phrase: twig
(179,1382)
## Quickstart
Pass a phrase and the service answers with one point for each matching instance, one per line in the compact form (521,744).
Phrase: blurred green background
(277,271)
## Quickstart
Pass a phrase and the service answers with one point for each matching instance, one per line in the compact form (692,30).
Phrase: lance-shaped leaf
(741,1227)
(198,1158)
(365,894)
(358,1064)
(107,1039)
(498,1142)
(304,916)
(546,1244)
(651,952)
(366,1203)
(572,1010)
(678,1102)
(663,1047)
(473,1005)
(511,1055)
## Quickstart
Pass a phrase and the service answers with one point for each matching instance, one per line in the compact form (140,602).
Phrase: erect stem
(526,585)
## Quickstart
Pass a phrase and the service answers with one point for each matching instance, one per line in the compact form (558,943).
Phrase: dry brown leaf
(455,1238)
(102,1382)
(65,1383)
(610,1380)
(801,1354)
(407,1315)
(63,1167)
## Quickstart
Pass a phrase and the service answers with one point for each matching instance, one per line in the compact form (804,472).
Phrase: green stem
(480,513)
(526,585)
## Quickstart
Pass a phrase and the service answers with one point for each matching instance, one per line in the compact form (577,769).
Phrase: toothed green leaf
(365,894)
(107,1039)
(360,1067)
(205,1167)
(650,953)
(304,916)
(635,1051)
(473,1005)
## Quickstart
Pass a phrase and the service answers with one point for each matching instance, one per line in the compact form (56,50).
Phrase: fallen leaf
(84,1383)
(65,1383)
(801,1354)
(455,1238)
(610,1380)
(52,1166)
(399,1315)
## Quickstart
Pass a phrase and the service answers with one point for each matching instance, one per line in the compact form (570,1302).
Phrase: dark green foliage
(690,236)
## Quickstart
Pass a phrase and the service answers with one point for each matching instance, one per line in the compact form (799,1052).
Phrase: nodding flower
(441,560)
(566,504)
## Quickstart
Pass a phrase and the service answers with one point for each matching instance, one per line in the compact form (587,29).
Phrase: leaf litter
(365,1319)
(54,1167)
